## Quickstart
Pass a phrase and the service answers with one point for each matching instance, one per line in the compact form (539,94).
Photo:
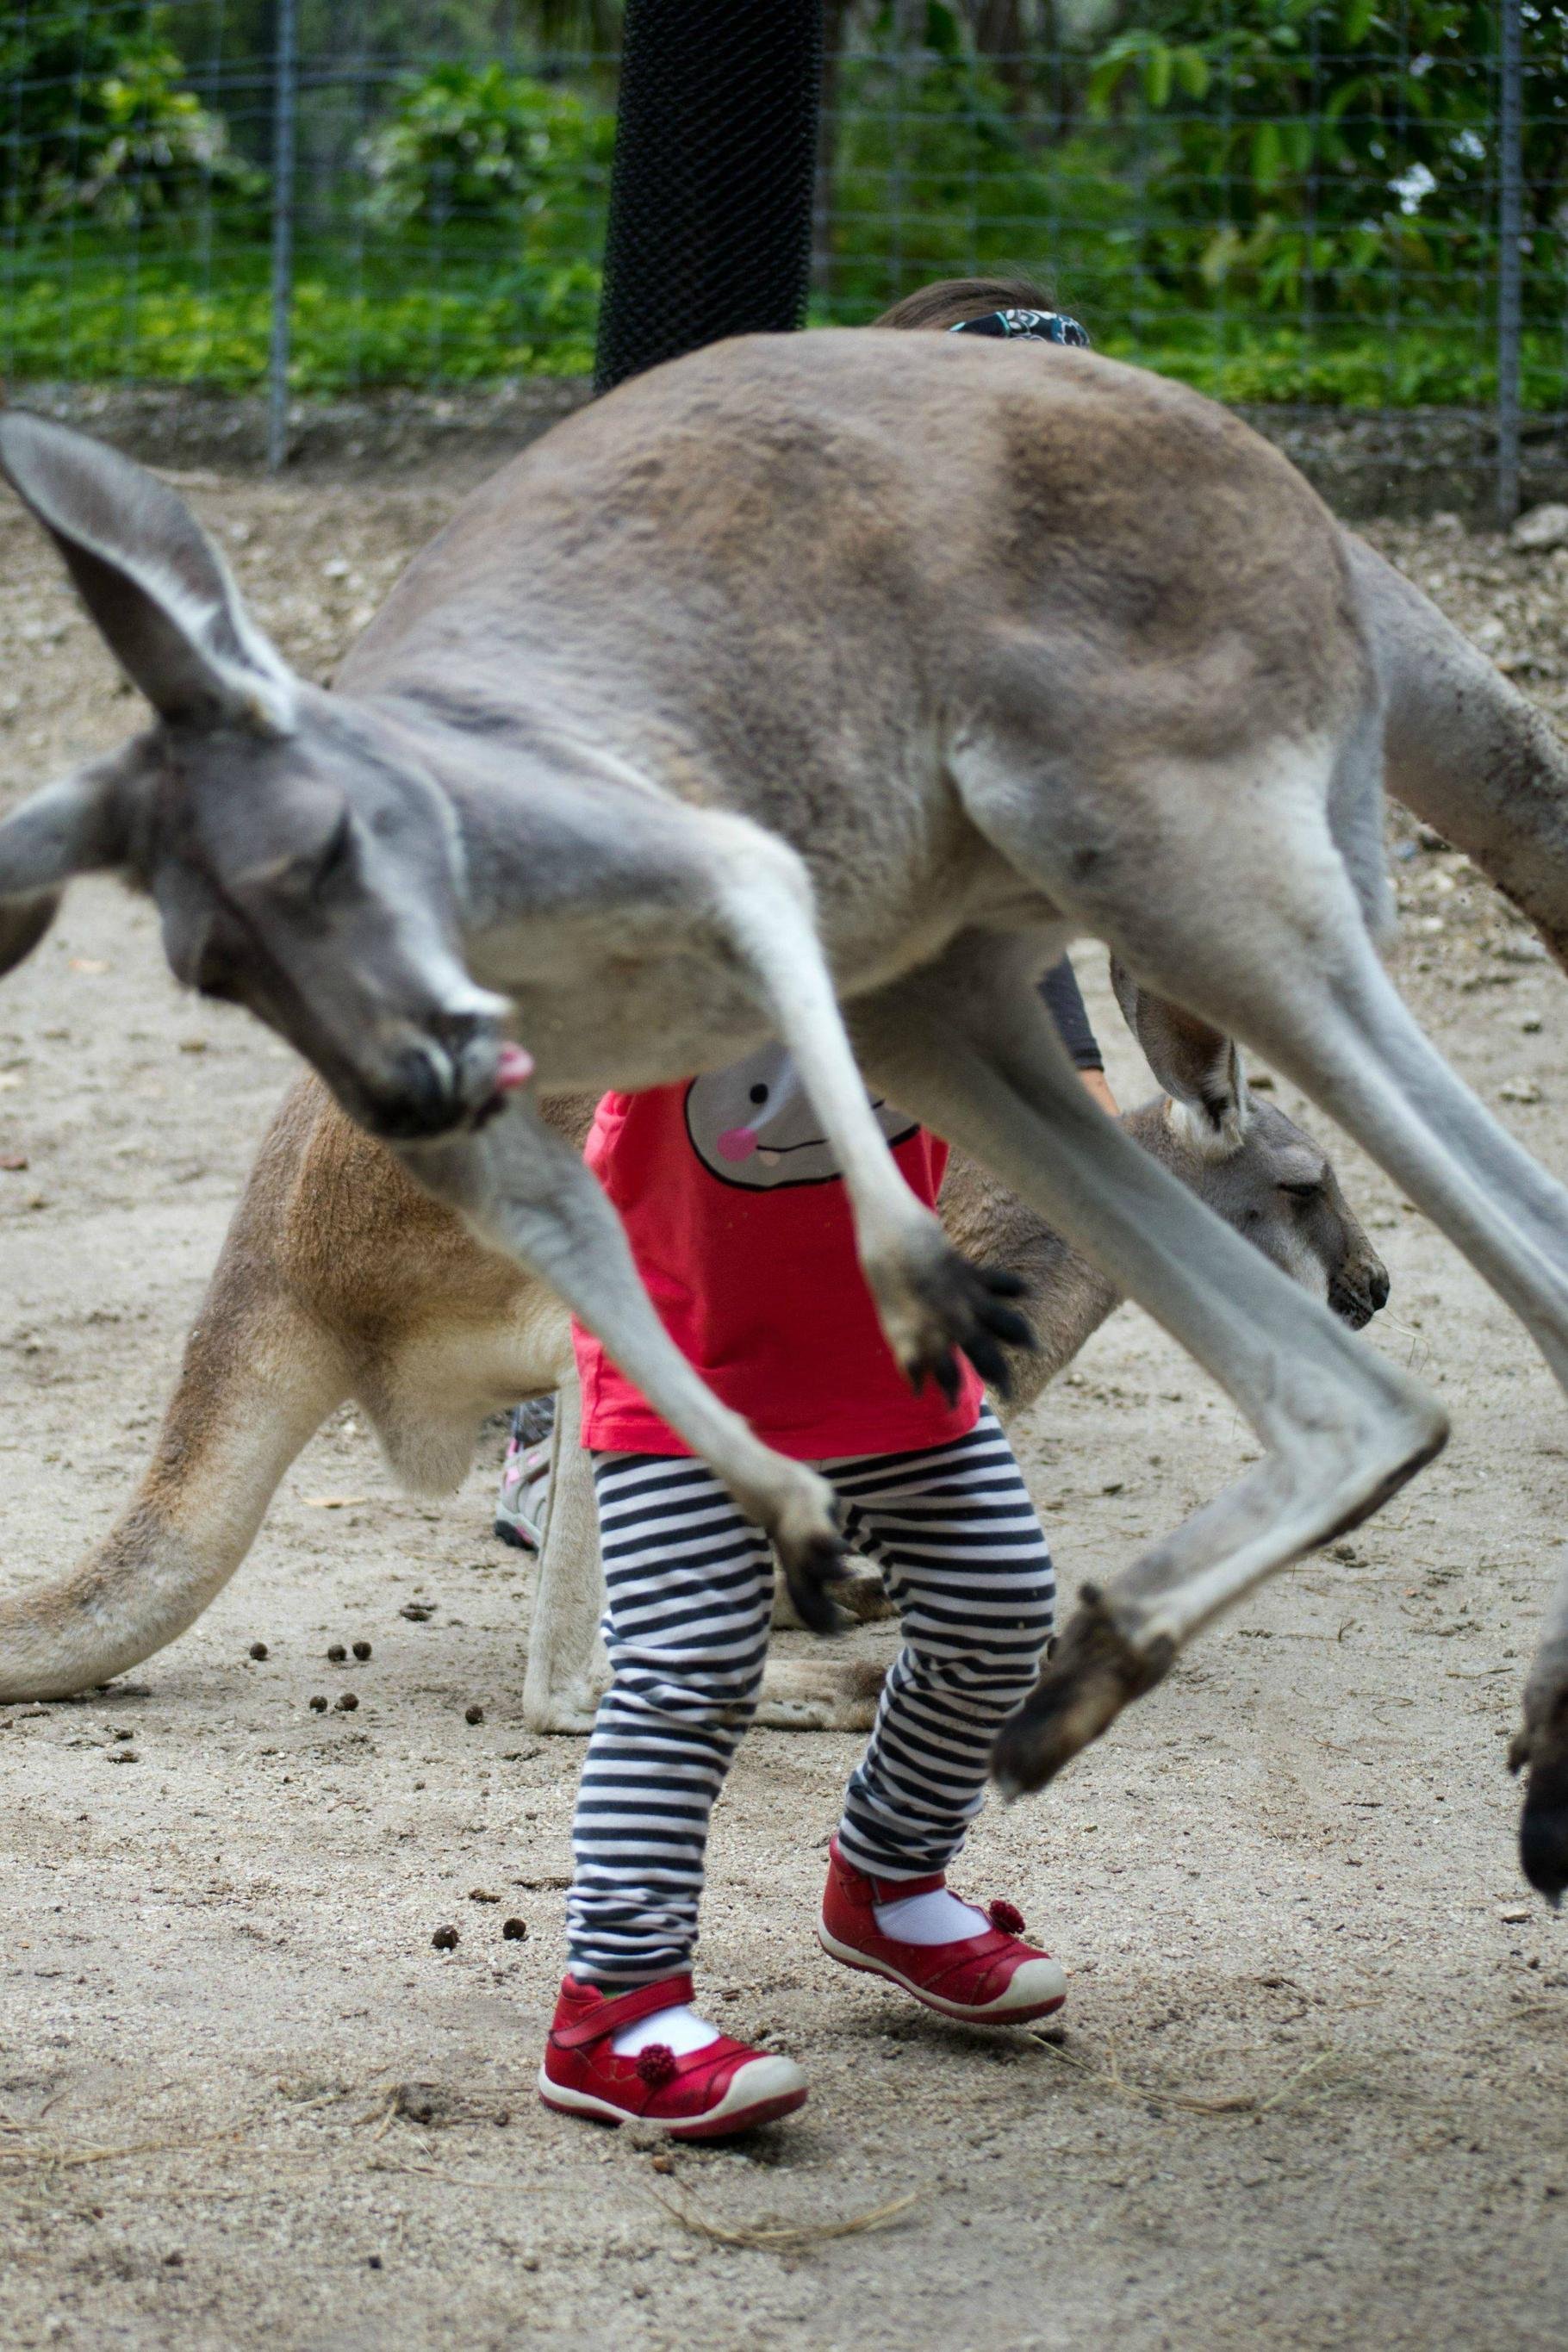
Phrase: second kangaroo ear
(152,578)
(1197,1066)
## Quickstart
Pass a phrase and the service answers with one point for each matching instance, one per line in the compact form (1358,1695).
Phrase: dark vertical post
(1511,236)
(711,191)
(285,101)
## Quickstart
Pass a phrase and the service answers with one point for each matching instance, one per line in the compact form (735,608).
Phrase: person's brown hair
(952,299)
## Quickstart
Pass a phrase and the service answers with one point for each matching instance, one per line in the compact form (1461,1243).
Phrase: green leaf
(1268,155)
(1157,67)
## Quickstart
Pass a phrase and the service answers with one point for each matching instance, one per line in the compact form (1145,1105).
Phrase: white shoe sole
(1050,1978)
(763,2089)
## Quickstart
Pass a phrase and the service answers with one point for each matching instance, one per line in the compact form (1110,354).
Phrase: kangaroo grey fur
(822,668)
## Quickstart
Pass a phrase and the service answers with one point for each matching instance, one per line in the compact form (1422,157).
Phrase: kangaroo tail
(258,1378)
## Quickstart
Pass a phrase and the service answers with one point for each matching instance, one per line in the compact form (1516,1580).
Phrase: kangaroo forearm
(1465,752)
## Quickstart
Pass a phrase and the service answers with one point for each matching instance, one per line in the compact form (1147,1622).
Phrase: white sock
(935,1918)
(679,2029)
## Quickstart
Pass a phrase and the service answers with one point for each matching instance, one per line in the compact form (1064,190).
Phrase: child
(739,1223)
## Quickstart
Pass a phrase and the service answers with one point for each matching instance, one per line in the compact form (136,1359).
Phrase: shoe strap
(898,1890)
(616,2010)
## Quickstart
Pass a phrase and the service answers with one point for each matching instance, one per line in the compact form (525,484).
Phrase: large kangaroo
(844,670)
(339,1277)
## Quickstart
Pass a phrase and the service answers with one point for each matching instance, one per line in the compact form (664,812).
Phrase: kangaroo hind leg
(967,1046)
(1287,963)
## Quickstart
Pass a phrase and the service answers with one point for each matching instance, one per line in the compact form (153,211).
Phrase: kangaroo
(339,1278)
(821,688)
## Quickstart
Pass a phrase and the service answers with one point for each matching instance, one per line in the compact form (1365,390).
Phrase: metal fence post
(1511,234)
(285,101)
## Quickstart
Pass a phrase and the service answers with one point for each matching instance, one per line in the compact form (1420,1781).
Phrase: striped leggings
(690,1586)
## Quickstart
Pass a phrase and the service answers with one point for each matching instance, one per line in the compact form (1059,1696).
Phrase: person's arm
(1060,990)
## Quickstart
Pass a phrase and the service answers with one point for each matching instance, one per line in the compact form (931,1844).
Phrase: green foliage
(99,125)
(1338,156)
(490,148)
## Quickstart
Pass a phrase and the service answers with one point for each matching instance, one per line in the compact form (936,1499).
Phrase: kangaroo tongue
(514,1067)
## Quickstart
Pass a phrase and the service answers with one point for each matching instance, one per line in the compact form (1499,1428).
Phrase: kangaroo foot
(1091,1677)
(806,1696)
(1541,1751)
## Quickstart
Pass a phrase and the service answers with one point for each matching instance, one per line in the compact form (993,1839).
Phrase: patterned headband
(1035,326)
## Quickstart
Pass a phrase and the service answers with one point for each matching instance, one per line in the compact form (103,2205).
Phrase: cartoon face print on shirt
(752,1125)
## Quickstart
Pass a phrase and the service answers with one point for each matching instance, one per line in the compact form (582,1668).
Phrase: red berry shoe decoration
(990,1979)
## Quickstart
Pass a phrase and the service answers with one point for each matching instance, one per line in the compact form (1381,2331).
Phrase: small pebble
(473,1715)
(514,1930)
(318,1706)
(361,1651)
(258,1650)
(662,2163)
(348,1703)
(336,1654)
(445,1940)
(504,2117)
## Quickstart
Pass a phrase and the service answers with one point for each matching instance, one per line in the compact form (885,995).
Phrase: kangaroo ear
(76,827)
(152,578)
(1197,1066)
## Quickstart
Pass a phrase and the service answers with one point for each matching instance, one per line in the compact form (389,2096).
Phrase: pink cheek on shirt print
(736,1143)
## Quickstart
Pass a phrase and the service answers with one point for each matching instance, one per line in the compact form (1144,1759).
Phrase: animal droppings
(348,1703)
(513,1930)
(483,1895)
(336,1654)
(319,1705)
(258,1650)
(418,1612)
(372,2261)
(445,1940)
(361,1651)
(504,2117)
(473,1715)
(125,1755)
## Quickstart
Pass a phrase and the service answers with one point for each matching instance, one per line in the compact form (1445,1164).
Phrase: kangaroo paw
(1093,1673)
(942,1302)
(1541,1751)
(812,1568)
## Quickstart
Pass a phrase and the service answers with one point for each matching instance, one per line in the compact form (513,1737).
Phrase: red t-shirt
(740,1228)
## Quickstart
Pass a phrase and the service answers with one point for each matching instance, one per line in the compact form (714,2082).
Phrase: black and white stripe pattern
(689,1585)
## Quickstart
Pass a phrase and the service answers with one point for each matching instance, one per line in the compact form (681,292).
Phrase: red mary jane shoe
(706,2094)
(992,1978)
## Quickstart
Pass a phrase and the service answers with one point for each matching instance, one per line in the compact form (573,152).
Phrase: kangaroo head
(1254,1167)
(303,863)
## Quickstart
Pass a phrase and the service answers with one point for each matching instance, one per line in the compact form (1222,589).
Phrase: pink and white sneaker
(704,2094)
(991,1977)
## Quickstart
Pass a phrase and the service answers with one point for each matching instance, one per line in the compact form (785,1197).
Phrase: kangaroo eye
(1309,1191)
(759,1094)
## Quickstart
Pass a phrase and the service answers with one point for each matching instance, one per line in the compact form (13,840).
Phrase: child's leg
(689,1585)
(966,1561)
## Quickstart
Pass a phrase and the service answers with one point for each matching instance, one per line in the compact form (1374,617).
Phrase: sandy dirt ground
(1314,2087)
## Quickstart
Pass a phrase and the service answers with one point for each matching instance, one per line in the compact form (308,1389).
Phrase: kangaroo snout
(1360,1290)
(446,1076)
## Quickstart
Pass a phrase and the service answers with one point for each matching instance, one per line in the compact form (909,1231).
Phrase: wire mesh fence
(1342,205)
